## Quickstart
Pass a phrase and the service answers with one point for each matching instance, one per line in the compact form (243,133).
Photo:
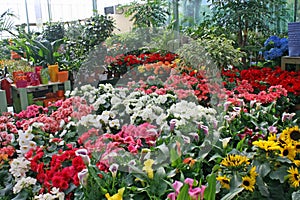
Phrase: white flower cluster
(90,93)
(139,105)
(53,195)
(125,107)
(24,182)
(19,166)
(25,140)
(186,112)
(105,121)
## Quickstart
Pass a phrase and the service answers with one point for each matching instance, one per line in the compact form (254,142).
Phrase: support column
(3,103)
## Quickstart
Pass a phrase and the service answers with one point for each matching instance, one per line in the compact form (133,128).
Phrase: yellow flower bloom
(233,160)
(288,151)
(297,146)
(290,134)
(253,173)
(248,183)
(267,145)
(141,69)
(272,137)
(117,196)
(148,168)
(224,182)
(294,177)
(297,162)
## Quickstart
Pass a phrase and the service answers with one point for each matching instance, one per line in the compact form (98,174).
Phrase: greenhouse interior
(149,99)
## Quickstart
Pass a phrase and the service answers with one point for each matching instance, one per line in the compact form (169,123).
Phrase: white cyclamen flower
(19,166)
(24,182)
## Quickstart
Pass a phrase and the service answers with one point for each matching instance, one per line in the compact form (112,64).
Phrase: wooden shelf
(290,60)
(20,94)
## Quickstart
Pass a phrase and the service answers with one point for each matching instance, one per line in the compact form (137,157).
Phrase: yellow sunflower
(267,145)
(297,162)
(248,183)
(233,160)
(297,146)
(288,151)
(253,173)
(224,181)
(272,137)
(294,177)
(289,134)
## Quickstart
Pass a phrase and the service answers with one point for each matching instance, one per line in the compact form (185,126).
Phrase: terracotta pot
(18,75)
(53,70)
(62,76)
(60,93)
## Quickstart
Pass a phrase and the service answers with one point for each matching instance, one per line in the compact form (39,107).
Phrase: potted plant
(45,76)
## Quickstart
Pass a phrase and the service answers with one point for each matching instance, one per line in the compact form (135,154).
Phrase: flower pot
(60,93)
(53,70)
(62,76)
(21,84)
(18,75)
(38,70)
(44,80)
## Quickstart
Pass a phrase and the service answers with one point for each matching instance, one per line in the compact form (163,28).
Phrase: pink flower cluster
(32,111)
(50,125)
(245,90)
(194,192)
(75,107)
(130,138)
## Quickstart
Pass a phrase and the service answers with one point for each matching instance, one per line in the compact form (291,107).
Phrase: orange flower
(190,161)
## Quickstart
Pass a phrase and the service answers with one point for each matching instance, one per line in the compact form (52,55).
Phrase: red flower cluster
(262,78)
(60,172)
(127,62)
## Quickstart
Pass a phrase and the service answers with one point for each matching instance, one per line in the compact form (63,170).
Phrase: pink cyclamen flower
(172,124)
(177,186)
(190,182)
(172,196)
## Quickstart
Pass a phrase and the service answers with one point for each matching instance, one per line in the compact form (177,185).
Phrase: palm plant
(6,23)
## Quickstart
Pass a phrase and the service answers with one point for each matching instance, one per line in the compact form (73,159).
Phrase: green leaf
(210,191)
(21,196)
(172,173)
(215,157)
(262,168)
(240,145)
(232,194)
(183,194)
(296,195)
(262,187)
(279,174)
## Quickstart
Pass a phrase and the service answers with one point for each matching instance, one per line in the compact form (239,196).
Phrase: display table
(20,94)
(3,102)
(290,60)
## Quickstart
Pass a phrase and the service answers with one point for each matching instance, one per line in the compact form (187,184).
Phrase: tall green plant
(37,50)
(82,38)
(147,13)
(240,16)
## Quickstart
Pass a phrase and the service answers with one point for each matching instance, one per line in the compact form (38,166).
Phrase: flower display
(175,134)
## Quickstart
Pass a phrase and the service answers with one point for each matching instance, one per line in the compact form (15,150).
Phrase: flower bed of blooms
(121,143)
